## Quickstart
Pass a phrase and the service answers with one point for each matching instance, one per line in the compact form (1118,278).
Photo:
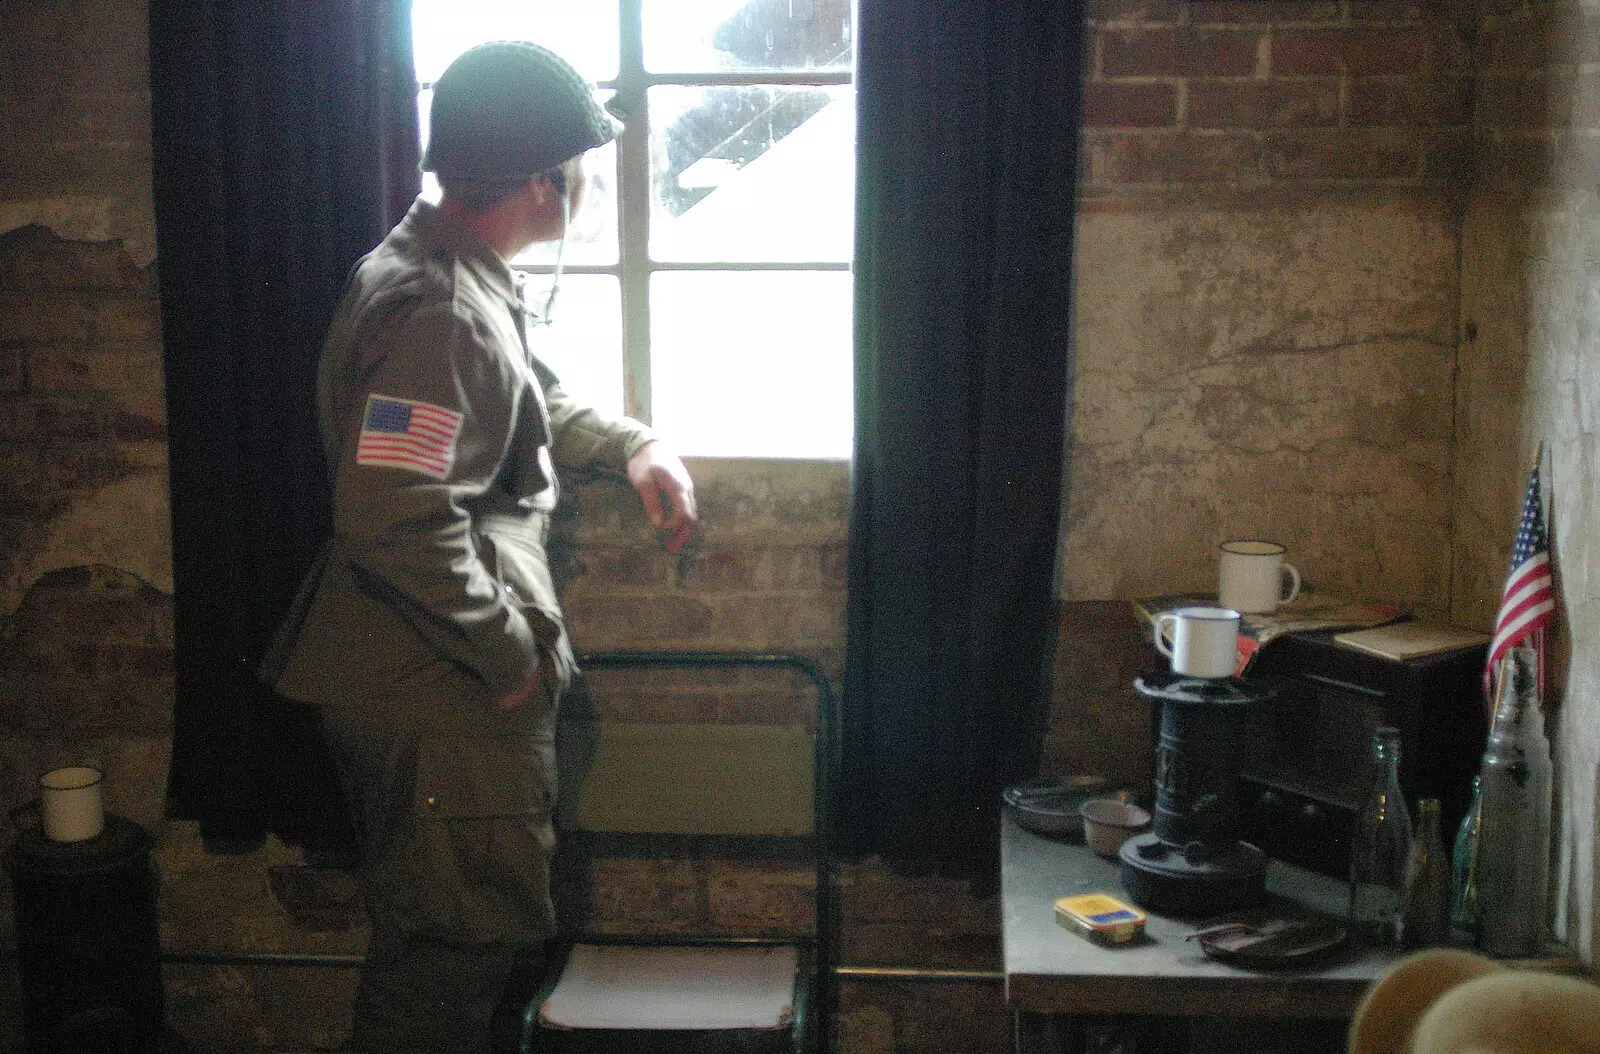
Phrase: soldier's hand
(666,490)
(545,679)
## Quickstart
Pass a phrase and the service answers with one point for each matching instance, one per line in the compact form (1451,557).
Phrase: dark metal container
(88,947)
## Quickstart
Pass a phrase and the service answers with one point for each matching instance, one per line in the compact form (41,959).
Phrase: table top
(1051,970)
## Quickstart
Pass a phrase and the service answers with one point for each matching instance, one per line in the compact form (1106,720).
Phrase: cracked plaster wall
(1274,367)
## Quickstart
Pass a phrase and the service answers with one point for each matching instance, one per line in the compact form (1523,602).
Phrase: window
(707,287)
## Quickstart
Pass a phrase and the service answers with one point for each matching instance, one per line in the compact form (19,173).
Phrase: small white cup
(69,798)
(1205,641)
(1253,577)
(1108,822)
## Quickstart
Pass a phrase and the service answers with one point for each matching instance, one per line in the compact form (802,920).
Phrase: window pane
(584,34)
(752,173)
(702,36)
(584,343)
(752,364)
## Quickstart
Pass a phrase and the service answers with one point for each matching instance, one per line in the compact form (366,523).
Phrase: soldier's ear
(551,186)
(540,195)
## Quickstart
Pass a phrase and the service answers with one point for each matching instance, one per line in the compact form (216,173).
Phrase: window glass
(585,34)
(752,173)
(703,36)
(583,343)
(743,181)
(752,363)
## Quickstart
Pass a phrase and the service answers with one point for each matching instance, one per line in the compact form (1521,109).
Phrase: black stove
(1192,861)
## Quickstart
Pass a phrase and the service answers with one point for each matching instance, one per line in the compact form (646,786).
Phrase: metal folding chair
(724,790)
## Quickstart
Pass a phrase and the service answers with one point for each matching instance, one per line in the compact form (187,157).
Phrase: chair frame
(815,1018)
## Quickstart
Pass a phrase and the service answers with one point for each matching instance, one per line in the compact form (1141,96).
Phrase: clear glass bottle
(1464,866)
(1381,848)
(1514,824)
(1425,903)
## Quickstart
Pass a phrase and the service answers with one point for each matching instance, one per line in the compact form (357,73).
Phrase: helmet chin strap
(543,317)
(561,250)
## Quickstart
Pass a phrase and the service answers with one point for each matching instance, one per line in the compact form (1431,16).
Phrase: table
(1057,981)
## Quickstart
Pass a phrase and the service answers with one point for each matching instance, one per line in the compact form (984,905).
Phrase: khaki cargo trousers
(451,804)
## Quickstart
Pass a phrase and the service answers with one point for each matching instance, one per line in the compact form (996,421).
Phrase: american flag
(406,434)
(1528,603)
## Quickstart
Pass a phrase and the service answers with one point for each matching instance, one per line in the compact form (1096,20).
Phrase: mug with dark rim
(70,803)
(1252,577)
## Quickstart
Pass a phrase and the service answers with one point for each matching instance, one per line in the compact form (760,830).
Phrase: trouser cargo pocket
(474,862)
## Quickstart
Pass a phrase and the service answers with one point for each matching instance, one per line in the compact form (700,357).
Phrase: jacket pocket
(522,571)
(460,777)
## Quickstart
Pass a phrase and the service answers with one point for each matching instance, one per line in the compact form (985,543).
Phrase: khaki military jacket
(442,434)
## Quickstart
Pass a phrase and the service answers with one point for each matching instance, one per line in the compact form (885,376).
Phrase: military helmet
(511,109)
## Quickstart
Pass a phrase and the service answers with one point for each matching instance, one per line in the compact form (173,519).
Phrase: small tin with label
(1100,917)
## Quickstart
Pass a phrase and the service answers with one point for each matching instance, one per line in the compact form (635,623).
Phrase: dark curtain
(284,147)
(969,115)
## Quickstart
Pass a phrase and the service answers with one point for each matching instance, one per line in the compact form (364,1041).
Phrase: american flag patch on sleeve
(406,434)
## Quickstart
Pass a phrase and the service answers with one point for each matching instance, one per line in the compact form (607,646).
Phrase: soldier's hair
(479,195)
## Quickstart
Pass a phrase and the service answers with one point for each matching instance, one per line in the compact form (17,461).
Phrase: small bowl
(1108,822)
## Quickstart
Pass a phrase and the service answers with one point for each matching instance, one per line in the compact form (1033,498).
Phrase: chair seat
(659,988)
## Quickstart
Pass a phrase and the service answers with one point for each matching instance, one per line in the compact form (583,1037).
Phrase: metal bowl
(1050,806)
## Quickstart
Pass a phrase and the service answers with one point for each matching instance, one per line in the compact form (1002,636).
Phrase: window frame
(635,266)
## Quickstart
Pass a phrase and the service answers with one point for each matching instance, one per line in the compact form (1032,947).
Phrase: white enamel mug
(1253,577)
(1205,641)
(69,800)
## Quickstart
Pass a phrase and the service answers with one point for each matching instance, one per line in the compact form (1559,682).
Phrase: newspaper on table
(1308,612)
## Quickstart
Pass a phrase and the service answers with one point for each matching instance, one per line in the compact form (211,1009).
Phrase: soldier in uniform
(429,630)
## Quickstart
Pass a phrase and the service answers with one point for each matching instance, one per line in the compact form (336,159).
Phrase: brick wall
(765,570)
(1276,93)
(77,115)
(1538,100)
(81,404)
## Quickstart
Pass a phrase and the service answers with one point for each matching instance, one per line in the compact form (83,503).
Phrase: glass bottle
(1381,848)
(1514,823)
(1425,903)
(1464,867)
